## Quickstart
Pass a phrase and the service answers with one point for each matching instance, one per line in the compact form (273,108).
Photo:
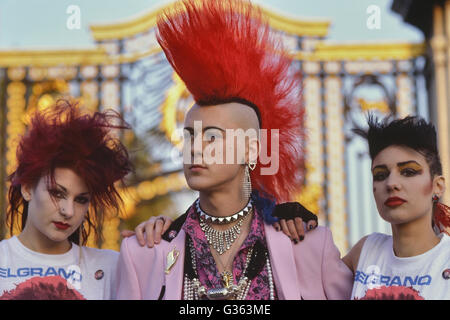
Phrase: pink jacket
(311,269)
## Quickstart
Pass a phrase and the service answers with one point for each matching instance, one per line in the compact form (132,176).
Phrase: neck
(222,203)
(414,238)
(36,241)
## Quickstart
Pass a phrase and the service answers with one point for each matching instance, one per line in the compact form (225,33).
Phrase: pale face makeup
(55,212)
(200,172)
(402,185)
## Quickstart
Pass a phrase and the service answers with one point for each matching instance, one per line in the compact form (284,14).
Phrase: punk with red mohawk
(223,247)
(224,52)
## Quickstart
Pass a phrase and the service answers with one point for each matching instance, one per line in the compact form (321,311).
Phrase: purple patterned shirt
(208,273)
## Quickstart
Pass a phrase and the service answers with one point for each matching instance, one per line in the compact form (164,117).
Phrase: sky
(41,24)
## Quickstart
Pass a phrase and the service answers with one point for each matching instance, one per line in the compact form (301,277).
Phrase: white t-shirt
(381,275)
(26,274)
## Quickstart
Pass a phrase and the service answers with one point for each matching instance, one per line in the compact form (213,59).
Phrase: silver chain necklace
(194,290)
(221,241)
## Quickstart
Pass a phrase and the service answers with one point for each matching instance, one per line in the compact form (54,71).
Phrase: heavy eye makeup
(82,200)
(410,169)
(406,169)
(380,173)
(57,193)
(60,194)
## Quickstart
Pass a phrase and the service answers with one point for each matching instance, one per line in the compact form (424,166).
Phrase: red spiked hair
(224,52)
(63,137)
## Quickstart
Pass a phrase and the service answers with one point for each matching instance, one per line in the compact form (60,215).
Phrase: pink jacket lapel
(283,264)
(174,280)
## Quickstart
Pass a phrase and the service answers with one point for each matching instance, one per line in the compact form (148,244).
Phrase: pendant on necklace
(227,278)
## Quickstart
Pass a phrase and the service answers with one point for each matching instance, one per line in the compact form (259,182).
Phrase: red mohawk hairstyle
(63,137)
(224,52)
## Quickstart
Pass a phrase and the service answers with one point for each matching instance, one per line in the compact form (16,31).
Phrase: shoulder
(352,257)
(131,249)
(445,239)
(376,240)
(9,246)
(367,244)
(176,226)
(105,255)
(101,253)
(320,235)
(445,244)
(4,243)
(319,256)
(316,241)
(8,242)
(131,246)
(141,263)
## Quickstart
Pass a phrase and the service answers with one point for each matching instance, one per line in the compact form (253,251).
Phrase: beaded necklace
(257,256)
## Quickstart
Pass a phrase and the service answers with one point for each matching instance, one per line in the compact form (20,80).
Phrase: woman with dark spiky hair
(67,165)
(407,185)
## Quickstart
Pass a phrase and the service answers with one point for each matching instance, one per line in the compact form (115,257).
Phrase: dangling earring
(441,216)
(435,199)
(247,180)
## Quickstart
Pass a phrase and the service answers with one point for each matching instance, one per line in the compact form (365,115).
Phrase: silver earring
(247,180)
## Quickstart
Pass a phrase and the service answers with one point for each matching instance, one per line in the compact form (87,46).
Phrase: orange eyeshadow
(411,165)
(378,170)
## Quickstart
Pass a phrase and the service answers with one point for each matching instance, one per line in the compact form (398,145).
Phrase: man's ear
(439,186)
(252,151)
(26,192)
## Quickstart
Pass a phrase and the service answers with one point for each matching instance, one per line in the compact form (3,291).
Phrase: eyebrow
(400,164)
(65,190)
(190,129)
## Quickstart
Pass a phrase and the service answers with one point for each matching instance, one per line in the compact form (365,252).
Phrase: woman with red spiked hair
(247,99)
(68,164)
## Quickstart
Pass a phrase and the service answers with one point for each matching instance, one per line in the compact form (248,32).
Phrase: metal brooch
(171,259)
